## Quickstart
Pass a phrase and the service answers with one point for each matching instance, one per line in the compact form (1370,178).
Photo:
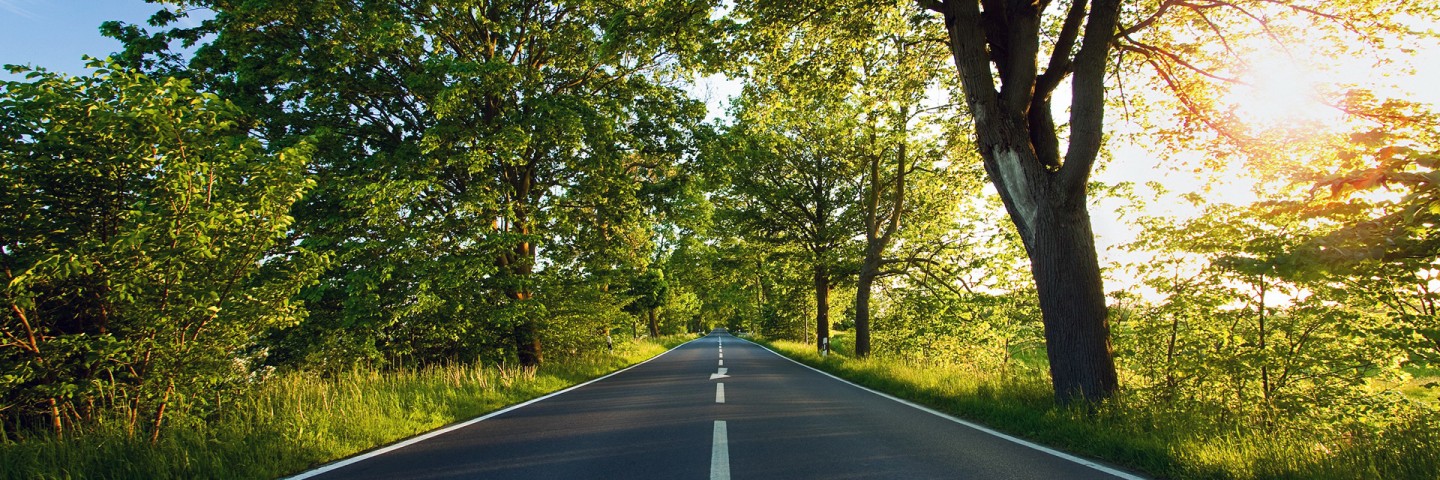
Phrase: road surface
(718,407)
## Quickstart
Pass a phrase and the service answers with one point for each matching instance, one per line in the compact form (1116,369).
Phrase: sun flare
(1280,91)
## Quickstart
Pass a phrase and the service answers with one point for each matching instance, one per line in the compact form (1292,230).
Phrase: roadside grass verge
(299,420)
(1151,438)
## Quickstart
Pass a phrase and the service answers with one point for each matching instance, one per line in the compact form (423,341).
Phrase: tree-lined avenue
(770,418)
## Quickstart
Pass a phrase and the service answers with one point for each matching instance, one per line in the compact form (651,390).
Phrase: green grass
(1155,439)
(296,421)
(1416,389)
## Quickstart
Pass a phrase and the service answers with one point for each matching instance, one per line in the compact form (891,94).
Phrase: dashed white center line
(720,453)
(722,362)
(719,393)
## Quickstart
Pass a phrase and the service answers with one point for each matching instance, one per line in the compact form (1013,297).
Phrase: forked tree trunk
(1019,141)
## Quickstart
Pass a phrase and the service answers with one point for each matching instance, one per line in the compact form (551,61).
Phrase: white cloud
(17,8)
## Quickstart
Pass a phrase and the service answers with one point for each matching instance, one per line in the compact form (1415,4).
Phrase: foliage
(1249,327)
(651,292)
(469,152)
(146,245)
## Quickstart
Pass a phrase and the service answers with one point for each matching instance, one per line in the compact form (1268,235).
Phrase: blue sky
(54,34)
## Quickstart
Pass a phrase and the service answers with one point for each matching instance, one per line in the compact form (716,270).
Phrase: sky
(55,34)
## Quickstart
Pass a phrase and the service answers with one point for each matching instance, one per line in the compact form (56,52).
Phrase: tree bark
(862,311)
(1264,362)
(1072,302)
(654,323)
(822,306)
(56,424)
(527,343)
(160,413)
(526,332)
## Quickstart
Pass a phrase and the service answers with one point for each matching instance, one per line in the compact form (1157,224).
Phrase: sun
(1277,90)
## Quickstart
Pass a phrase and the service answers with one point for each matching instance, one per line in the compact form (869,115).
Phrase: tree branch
(1087,111)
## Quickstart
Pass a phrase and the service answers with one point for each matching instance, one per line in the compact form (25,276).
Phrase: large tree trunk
(527,343)
(869,270)
(654,323)
(1072,302)
(876,240)
(526,333)
(822,306)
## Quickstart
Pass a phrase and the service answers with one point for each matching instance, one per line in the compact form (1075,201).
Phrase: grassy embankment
(295,421)
(1151,438)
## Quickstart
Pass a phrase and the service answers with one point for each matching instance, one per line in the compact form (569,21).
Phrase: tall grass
(1152,437)
(295,421)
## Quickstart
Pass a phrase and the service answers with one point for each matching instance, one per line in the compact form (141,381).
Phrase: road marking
(719,393)
(722,362)
(720,373)
(722,355)
(435,433)
(720,454)
(1083,461)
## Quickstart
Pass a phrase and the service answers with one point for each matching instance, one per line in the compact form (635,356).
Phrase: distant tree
(651,292)
(789,166)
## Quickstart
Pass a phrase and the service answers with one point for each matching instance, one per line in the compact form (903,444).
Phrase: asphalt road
(680,416)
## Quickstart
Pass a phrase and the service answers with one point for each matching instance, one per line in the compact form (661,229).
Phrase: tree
(651,292)
(146,245)
(1019,141)
(470,135)
(789,176)
(897,72)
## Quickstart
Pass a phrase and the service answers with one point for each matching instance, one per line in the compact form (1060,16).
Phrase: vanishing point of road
(717,407)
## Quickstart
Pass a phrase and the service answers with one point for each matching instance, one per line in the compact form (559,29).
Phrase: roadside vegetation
(293,421)
(1149,436)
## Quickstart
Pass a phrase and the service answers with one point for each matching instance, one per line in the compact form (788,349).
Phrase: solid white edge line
(720,453)
(444,430)
(1020,441)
